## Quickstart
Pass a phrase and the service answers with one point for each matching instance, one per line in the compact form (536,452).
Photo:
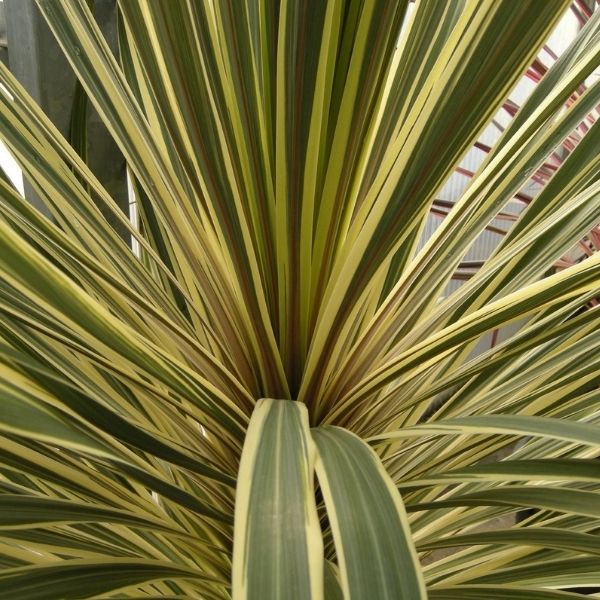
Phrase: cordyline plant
(275,398)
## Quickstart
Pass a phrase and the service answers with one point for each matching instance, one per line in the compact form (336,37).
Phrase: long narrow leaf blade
(568,431)
(476,592)
(376,554)
(78,579)
(278,548)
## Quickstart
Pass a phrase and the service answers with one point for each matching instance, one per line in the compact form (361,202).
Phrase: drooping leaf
(371,531)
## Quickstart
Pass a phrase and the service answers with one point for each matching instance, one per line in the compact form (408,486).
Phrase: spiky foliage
(164,412)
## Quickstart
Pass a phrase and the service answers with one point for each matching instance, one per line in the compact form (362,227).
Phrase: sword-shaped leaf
(278,548)
(372,536)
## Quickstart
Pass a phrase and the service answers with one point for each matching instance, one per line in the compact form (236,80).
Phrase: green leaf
(516,470)
(559,429)
(477,592)
(578,502)
(528,536)
(372,536)
(278,549)
(19,511)
(77,579)
(23,414)
(572,572)
(333,590)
